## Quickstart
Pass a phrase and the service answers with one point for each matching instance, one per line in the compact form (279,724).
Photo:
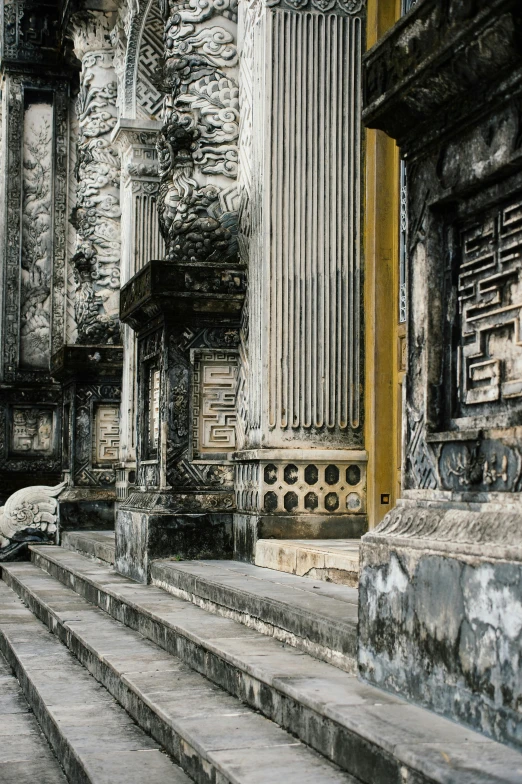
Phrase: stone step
(377,737)
(94,739)
(315,617)
(331,560)
(214,736)
(95,544)
(25,755)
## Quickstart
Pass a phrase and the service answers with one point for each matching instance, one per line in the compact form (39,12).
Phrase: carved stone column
(186,308)
(90,370)
(97,212)
(301,463)
(33,187)
(441,577)
(141,241)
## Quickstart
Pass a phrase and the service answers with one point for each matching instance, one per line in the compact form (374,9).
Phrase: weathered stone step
(25,755)
(95,544)
(332,560)
(377,737)
(94,739)
(214,736)
(316,617)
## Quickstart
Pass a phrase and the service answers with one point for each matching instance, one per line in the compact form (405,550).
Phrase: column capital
(91,32)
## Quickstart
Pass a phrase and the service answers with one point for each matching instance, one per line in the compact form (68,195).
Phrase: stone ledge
(490,533)
(177,291)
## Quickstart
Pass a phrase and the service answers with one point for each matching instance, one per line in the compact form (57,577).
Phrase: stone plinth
(186,319)
(91,382)
(441,577)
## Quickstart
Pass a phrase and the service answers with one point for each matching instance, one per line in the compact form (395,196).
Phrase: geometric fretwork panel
(149,100)
(214,403)
(490,308)
(106,432)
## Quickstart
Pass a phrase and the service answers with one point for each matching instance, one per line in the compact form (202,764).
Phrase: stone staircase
(208,675)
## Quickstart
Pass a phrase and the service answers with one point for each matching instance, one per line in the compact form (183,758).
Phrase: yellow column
(383,390)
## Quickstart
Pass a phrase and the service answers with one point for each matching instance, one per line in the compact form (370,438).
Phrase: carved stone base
(442,584)
(152,525)
(298,494)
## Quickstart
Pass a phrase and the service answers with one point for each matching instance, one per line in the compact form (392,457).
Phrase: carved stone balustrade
(441,576)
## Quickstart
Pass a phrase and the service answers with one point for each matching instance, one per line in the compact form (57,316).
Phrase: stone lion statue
(29,515)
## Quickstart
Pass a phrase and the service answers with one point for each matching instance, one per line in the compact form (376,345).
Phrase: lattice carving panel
(214,403)
(106,434)
(490,309)
(301,488)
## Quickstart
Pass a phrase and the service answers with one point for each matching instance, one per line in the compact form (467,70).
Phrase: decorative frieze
(30,32)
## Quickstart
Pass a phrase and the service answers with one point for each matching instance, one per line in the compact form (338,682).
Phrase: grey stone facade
(441,579)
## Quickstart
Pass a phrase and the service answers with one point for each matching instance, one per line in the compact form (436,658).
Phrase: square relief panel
(106,434)
(214,413)
(32,431)
(489,290)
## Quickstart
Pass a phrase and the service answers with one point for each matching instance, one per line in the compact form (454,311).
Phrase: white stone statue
(29,515)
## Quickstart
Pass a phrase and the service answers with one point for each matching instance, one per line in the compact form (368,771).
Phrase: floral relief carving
(35,295)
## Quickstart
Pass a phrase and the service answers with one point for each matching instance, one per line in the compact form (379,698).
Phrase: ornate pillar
(301,463)
(441,577)
(90,370)
(185,309)
(33,184)
(141,241)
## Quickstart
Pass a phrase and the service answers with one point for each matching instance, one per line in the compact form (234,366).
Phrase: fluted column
(301,468)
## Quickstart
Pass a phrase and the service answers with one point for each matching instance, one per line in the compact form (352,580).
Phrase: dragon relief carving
(29,516)
(198,144)
(96,216)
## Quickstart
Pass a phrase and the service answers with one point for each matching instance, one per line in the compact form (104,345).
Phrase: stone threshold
(331,560)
